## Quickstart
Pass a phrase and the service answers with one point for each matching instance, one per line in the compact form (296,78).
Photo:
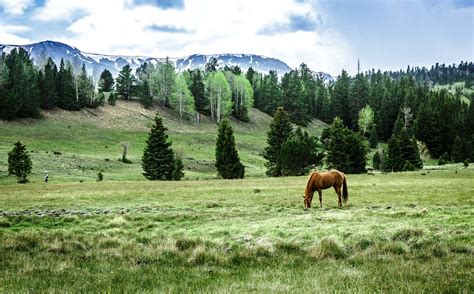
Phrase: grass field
(403,232)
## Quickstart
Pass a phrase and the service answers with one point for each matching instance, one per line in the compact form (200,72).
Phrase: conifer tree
(106,81)
(158,158)
(48,85)
(178,169)
(373,139)
(198,91)
(19,162)
(340,99)
(227,159)
(403,148)
(280,131)
(458,150)
(300,153)
(346,150)
(125,82)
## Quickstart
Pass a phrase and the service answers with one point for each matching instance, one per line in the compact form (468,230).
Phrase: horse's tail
(345,193)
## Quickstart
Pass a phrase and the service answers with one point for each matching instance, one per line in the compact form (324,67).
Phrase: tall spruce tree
(158,161)
(458,150)
(340,99)
(299,153)
(198,91)
(346,150)
(403,148)
(19,162)
(48,90)
(227,159)
(280,131)
(125,82)
(106,81)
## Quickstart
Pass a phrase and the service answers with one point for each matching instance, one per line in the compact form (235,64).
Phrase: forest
(378,106)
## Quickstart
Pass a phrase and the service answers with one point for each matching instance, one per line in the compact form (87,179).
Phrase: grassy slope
(86,141)
(403,232)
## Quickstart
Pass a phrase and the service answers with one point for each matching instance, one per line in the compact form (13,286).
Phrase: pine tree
(403,148)
(106,81)
(66,87)
(19,162)
(85,89)
(178,169)
(300,153)
(280,131)
(125,82)
(346,149)
(48,85)
(458,150)
(340,99)
(198,91)
(358,98)
(373,139)
(227,159)
(158,158)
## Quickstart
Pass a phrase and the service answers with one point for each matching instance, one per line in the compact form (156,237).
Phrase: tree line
(374,104)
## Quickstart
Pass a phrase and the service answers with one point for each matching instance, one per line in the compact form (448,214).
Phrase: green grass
(403,232)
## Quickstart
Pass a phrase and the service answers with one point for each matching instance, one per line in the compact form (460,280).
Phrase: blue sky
(328,35)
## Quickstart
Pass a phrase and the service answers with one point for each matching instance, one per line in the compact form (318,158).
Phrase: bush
(408,166)
(466,163)
(100,177)
(444,159)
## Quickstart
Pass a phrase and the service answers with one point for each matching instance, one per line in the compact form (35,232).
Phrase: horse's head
(307,201)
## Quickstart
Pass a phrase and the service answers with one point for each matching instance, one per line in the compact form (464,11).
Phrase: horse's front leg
(320,192)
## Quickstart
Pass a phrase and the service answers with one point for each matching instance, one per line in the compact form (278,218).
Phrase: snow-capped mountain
(96,63)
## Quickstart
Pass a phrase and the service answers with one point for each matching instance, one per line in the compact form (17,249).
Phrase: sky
(328,35)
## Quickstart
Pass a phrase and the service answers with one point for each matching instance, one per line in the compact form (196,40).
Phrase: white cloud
(206,26)
(15,7)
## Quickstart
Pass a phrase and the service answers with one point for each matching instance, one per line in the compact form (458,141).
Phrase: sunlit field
(402,232)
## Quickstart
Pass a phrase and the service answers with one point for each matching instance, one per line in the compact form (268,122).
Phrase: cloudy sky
(327,35)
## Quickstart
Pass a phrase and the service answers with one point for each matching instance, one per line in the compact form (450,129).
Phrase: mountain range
(96,63)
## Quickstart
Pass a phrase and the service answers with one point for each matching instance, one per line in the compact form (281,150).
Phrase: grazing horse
(319,181)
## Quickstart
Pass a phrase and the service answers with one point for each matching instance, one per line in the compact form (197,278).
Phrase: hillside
(85,144)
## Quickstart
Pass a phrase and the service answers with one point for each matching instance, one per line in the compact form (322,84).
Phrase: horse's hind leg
(320,198)
(338,192)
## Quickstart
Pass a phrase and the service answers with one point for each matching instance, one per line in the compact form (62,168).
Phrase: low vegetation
(403,232)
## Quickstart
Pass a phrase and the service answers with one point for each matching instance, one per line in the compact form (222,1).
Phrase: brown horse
(319,181)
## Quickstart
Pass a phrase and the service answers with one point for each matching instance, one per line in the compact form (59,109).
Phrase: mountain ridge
(96,62)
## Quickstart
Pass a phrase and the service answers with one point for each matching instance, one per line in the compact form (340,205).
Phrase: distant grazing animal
(319,181)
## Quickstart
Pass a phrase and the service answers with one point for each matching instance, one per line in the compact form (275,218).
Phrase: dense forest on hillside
(376,105)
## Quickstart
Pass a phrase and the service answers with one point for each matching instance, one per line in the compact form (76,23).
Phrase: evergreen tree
(158,158)
(19,162)
(346,149)
(322,101)
(211,65)
(403,148)
(178,172)
(373,139)
(21,94)
(143,86)
(48,85)
(378,159)
(112,98)
(66,87)
(294,101)
(280,131)
(458,150)
(198,91)
(358,98)
(340,99)
(106,81)
(268,94)
(85,89)
(299,153)
(227,159)
(125,82)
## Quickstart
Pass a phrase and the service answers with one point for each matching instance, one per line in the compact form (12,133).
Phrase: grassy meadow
(402,232)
